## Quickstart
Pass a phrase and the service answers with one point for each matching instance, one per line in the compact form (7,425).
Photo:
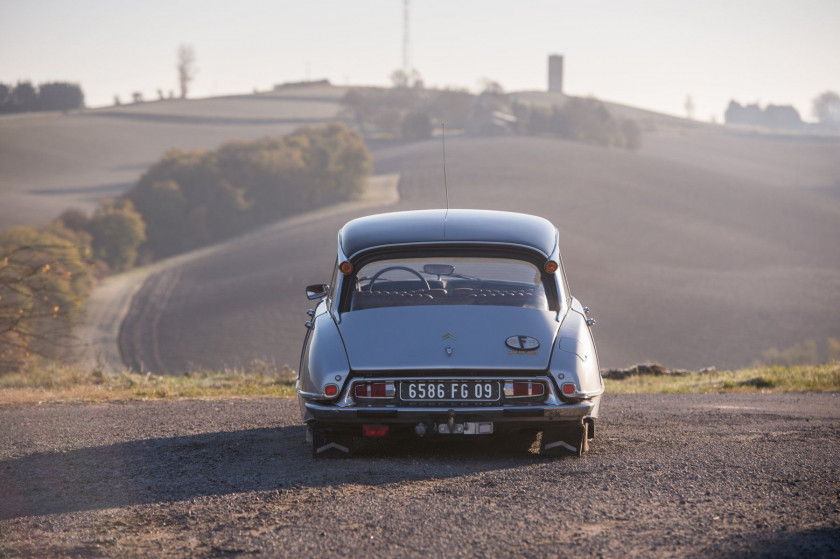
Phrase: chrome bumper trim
(549,413)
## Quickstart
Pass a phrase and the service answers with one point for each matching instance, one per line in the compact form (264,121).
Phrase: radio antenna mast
(445,185)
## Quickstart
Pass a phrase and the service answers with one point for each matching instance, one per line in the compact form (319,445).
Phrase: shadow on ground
(178,468)
(824,542)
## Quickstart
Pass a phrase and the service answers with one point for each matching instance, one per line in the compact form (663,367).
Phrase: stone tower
(555,73)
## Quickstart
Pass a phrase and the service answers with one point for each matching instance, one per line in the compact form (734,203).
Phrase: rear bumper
(532,415)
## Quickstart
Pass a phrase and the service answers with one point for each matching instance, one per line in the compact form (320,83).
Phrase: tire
(565,441)
(330,445)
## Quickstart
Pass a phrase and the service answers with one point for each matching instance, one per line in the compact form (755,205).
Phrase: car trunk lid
(448,337)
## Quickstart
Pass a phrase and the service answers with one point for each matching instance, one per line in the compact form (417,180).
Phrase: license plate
(450,391)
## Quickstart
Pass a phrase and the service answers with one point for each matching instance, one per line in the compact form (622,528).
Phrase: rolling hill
(706,247)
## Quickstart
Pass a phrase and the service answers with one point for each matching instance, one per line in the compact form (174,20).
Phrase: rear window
(448,281)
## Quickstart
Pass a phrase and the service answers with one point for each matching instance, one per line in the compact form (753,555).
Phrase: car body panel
(576,358)
(323,357)
(452,226)
(410,338)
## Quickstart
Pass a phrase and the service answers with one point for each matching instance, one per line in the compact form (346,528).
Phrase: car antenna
(445,186)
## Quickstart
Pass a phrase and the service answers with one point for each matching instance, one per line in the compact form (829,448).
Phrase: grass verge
(800,378)
(52,382)
(47,382)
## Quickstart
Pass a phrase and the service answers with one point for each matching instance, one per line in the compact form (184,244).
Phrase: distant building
(555,73)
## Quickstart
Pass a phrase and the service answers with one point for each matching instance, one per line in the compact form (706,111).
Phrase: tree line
(186,200)
(408,111)
(52,96)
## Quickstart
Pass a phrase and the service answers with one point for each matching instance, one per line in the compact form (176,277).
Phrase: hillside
(53,161)
(706,247)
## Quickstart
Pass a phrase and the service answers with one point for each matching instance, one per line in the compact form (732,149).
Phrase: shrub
(417,126)
(74,219)
(407,111)
(59,96)
(117,230)
(580,120)
(833,349)
(44,280)
(801,353)
(192,198)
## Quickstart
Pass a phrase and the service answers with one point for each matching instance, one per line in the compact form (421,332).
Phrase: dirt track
(668,475)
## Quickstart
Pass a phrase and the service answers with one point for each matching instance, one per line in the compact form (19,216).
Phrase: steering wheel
(404,269)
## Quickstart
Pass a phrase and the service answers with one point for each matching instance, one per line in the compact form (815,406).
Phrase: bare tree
(186,68)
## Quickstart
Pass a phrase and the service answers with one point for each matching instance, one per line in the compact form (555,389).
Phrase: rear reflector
(330,390)
(374,390)
(375,431)
(523,389)
(569,389)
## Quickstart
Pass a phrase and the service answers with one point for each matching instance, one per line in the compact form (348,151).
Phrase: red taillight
(376,431)
(522,389)
(569,389)
(374,390)
(377,389)
(330,390)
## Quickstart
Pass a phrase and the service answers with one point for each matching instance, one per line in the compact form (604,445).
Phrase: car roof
(461,226)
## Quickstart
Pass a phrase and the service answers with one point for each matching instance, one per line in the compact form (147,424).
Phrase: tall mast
(406,54)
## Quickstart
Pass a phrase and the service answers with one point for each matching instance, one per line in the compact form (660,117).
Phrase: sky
(651,54)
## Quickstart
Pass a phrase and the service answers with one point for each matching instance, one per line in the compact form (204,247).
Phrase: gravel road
(667,475)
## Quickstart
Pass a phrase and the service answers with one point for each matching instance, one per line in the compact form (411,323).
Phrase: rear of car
(456,337)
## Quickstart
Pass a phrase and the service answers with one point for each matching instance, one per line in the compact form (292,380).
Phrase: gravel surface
(667,475)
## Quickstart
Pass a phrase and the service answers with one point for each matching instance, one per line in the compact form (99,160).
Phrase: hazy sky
(650,54)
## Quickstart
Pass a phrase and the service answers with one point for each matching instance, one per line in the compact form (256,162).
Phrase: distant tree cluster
(193,198)
(777,117)
(827,109)
(409,112)
(187,199)
(580,120)
(54,96)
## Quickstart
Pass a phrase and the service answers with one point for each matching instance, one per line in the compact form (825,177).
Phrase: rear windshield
(448,281)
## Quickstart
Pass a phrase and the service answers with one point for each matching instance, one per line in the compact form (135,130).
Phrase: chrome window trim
(561,286)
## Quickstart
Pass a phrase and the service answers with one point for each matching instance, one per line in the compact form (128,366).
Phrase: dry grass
(800,378)
(53,382)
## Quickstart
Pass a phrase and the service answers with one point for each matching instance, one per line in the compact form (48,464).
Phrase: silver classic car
(448,324)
